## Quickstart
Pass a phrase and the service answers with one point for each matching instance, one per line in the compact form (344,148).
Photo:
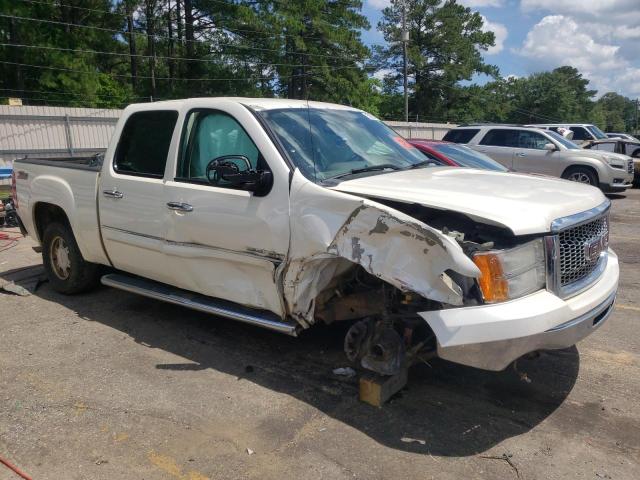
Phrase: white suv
(535,150)
(582,132)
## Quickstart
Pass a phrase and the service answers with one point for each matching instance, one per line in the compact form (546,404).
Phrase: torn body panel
(332,232)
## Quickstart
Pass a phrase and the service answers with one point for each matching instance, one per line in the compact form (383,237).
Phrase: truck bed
(70,184)
(92,163)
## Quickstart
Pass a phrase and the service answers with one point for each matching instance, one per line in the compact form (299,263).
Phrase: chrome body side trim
(201,303)
(271,257)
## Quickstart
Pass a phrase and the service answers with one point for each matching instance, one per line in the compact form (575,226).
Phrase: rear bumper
(492,336)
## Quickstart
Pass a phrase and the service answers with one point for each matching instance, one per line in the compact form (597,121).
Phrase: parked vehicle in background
(452,154)
(537,150)
(582,132)
(616,145)
(286,213)
(620,145)
(626,136)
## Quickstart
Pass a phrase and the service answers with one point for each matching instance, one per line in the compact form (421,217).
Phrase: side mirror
(224,171)
(550,147)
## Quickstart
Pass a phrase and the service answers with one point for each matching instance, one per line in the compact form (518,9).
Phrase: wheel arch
(45,213)
(591,168)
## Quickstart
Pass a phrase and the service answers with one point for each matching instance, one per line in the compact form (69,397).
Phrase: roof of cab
(256,103)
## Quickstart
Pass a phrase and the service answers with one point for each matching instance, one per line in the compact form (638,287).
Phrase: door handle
(179,207)
(112,193)
(520,154)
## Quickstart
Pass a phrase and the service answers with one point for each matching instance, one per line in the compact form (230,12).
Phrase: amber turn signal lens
(492,281)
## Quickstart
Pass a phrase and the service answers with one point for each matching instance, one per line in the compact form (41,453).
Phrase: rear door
(133,216)
(499,144)
(222,240)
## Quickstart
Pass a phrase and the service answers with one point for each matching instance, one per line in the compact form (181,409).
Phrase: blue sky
(601,38)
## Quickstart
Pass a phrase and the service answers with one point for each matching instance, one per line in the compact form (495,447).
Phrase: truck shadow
(452,410)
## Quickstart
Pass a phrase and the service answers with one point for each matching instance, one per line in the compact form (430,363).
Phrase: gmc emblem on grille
(593,248)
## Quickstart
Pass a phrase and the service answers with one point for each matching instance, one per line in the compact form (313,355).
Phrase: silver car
(535,150)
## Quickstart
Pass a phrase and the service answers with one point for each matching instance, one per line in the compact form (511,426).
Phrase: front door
(131,195)
(222,240)
(531,156)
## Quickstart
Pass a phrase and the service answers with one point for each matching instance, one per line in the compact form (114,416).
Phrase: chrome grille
(580,249)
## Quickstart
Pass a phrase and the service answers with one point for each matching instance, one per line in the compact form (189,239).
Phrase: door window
(210,135)
(144,143)
(608,147)
(500,137)
(580,133)
(461,136)
(532,140)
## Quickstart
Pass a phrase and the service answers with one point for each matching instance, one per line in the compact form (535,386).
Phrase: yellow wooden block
(377,389)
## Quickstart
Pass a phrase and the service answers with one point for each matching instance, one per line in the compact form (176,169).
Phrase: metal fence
(52,132)
(423,131)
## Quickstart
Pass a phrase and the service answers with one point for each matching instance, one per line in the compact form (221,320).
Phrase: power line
(164,57)
(164,37)
(206,79)
(67,93)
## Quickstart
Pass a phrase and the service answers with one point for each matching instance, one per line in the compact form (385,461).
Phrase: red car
(456,155)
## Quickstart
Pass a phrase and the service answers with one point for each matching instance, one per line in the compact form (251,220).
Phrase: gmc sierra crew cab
(285,214)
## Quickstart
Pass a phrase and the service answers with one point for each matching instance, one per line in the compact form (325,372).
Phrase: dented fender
(331,231)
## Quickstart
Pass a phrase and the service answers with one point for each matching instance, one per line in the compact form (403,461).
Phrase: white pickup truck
(284,214)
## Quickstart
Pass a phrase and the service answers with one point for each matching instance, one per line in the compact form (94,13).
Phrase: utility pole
(405,39)
(637,107)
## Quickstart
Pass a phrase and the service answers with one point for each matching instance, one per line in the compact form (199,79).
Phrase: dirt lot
(108,385)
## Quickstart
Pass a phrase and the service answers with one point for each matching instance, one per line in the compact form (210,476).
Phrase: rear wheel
(67,271)
(581,175)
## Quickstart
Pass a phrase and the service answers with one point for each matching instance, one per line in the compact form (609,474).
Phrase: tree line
(108,53)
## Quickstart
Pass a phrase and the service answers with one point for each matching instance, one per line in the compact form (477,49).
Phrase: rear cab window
(462,135)
(144,143)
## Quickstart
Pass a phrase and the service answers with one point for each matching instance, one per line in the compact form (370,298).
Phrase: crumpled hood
(525,204)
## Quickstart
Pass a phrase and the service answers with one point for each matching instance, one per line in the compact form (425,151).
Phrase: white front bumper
(492,336)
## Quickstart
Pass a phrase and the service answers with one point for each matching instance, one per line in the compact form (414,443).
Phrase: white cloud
(379,3)
(481,3)
(609,21)
(582,7)
(500,32)
(558,40)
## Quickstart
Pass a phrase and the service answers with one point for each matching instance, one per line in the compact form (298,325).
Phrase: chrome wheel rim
(580,177)
(60,261)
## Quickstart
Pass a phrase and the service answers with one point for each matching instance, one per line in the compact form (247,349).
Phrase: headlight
(615,162)
(508,274)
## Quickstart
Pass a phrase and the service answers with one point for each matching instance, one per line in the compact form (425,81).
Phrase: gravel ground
(108,385)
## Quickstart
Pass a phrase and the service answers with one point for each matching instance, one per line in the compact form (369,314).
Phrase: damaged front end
(355,259)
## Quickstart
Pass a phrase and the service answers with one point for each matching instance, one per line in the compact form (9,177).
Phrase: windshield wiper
(421,164)
(371,168)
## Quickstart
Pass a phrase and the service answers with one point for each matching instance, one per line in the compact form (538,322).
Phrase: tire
(67,271)
(581,175)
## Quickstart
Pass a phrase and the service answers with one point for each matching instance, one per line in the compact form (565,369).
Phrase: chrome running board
(195,301)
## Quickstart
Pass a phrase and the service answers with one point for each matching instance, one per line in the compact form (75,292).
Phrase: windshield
(563,141)
(599,134)
(465,157)
(326,143)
